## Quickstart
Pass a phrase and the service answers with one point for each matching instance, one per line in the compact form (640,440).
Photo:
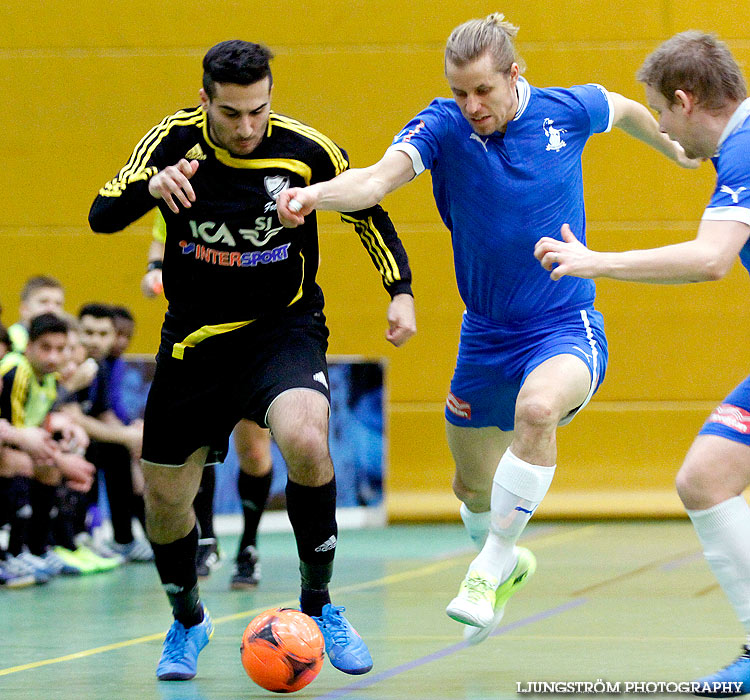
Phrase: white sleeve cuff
(606,94)
(413,153)
(741,214)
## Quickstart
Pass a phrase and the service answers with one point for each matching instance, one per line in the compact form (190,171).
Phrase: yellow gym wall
(84,81)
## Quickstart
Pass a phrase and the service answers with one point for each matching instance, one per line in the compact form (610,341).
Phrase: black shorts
(196,401)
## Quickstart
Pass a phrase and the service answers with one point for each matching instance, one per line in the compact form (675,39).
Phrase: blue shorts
(495,359)
(731,419)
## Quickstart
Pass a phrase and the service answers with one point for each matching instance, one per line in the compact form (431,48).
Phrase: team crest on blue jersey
(275,184)
(554,135)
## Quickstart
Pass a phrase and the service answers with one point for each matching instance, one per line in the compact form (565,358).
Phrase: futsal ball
(282,650)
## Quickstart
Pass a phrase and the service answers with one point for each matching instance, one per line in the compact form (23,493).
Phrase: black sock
(203,505)
(5,500)
(139,509)
(63,524)
(113,462)
(311,601)
(21,514)
(175,563)
(42,503)
(80,503)
(253,492)
(312,512)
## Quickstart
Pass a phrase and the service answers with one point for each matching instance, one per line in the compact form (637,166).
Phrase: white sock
(476,524)
(724,532)
(517,489)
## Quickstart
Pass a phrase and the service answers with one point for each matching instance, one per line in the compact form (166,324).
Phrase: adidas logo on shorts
(320,377)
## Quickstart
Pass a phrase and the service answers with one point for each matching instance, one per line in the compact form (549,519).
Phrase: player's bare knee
(255,467)
(684,485)
(695,486)
(254,460)
(535,414)
(166,502)
(309,473)
(474,499)
(308,444)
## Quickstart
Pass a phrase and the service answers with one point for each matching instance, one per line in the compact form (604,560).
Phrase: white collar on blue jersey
(740,114)
(523,90)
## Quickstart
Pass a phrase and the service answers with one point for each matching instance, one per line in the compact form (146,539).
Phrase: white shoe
(138,550)
(37,563)
(475,602)
(524,569)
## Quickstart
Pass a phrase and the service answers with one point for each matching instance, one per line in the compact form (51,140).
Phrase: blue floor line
(442,653)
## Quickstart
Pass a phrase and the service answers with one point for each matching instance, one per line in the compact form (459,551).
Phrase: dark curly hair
(235,61)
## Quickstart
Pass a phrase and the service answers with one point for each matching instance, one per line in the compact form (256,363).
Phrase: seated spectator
(40,295)
(36,461)
(113,444)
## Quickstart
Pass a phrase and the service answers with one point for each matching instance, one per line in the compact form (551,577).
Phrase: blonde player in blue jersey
(695,86)
(506,165)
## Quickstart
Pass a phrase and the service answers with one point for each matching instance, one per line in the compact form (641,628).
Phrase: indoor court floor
(611,601)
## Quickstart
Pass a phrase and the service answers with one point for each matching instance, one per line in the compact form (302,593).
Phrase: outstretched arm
(353,190)
(708,257)
(635,119)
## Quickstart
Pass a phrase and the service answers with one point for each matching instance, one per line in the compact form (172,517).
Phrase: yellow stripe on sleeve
(147,144)
(135,169)
(374,242)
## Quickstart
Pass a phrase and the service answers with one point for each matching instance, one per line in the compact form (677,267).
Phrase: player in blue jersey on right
(506,165)
(697,89)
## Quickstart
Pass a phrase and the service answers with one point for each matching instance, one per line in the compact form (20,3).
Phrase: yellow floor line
(544,540)
(81,654)
(708,589)
(629,574)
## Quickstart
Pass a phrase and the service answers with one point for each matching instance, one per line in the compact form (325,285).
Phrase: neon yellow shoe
(89,558)
(523,571)
(72,559)
(474,604)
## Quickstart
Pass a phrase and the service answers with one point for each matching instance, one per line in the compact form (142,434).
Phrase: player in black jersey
(244,335)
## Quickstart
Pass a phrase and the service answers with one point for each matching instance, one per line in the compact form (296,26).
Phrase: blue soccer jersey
(499,194)
(731,198)
(731,202)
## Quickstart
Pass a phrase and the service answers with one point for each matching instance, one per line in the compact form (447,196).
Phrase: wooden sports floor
(611,601)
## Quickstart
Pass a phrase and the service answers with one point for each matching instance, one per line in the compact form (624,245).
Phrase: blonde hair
(474,38)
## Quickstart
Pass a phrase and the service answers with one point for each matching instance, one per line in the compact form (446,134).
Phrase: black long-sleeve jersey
(227,259)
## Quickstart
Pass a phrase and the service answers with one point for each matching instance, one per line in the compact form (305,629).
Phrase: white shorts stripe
(594,368)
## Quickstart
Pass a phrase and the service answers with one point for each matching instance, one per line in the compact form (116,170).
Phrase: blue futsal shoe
(179,658)
(731,681)
(345,648)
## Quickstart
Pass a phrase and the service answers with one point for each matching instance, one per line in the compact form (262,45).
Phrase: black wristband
(154,265)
